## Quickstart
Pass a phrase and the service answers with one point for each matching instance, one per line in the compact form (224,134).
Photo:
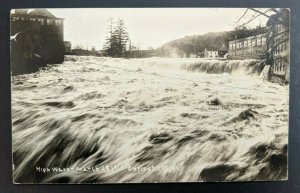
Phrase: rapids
(105,120)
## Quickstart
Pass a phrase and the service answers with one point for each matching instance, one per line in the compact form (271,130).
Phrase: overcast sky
(147,26)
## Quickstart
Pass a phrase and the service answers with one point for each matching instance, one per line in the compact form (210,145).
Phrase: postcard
(149,95)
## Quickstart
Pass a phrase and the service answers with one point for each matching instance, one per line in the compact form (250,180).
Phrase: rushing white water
(107,120)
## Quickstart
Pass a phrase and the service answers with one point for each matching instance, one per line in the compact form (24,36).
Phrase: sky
(148,27)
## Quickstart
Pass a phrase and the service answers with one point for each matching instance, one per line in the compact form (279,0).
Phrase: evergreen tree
(115,44)
(121,36)
(110,39)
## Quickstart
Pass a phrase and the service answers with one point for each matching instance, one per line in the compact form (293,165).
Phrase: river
(105,120)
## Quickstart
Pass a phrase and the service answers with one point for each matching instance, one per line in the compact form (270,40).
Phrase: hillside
(212,41)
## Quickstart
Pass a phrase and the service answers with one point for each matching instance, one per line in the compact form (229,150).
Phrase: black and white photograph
(149,95)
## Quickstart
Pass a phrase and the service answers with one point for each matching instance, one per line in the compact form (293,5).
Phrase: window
(49,22)
(15,18)
(41,21)
(279,64)
(275,48)
(263,40)
(58,22)
(279,28)
(259,41)
(279,46)
(253,42)
(275,65)
(278,69)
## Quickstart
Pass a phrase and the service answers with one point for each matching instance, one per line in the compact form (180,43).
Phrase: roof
(42,12)
(223,48)
(210,50)
(249,37)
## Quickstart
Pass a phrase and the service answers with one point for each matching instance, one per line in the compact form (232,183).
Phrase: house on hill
(211,53)
(37,39)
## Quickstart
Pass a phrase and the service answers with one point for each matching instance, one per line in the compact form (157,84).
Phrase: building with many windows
(37,39)
(252,47)
(279,44)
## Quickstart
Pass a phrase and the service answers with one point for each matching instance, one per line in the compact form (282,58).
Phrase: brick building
(252,47)
(36,40)
(279,44)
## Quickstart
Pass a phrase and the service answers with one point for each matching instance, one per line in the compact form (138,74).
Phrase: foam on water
(140,125)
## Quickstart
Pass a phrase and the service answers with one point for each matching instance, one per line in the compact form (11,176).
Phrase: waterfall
(231,66)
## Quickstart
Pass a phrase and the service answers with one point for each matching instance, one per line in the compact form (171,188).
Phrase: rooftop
(249,37)
(36,12)
(42,12)
(209,50)
(223,48)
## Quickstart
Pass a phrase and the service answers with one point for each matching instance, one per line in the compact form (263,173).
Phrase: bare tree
(275,17)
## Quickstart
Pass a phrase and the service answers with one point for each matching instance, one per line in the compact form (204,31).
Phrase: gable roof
(42,12)
(223,48)
(206,50)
